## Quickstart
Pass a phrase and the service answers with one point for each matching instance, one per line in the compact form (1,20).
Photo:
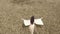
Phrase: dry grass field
(11,12)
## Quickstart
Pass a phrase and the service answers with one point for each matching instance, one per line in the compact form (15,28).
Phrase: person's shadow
(24,26)
(38,26)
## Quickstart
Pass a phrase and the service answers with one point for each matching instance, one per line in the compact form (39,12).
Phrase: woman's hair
(32,20)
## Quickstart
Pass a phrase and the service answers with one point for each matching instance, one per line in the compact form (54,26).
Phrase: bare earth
(11,12)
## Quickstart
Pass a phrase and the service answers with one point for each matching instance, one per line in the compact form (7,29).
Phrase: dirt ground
(11,12)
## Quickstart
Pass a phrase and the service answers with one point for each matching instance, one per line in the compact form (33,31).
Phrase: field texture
(11,12)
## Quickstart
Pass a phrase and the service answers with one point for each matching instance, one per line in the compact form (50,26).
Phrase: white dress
(32,26)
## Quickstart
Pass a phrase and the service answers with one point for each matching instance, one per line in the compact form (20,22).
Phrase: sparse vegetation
(11,12)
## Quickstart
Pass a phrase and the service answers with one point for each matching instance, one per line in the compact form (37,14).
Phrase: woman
(31,27)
